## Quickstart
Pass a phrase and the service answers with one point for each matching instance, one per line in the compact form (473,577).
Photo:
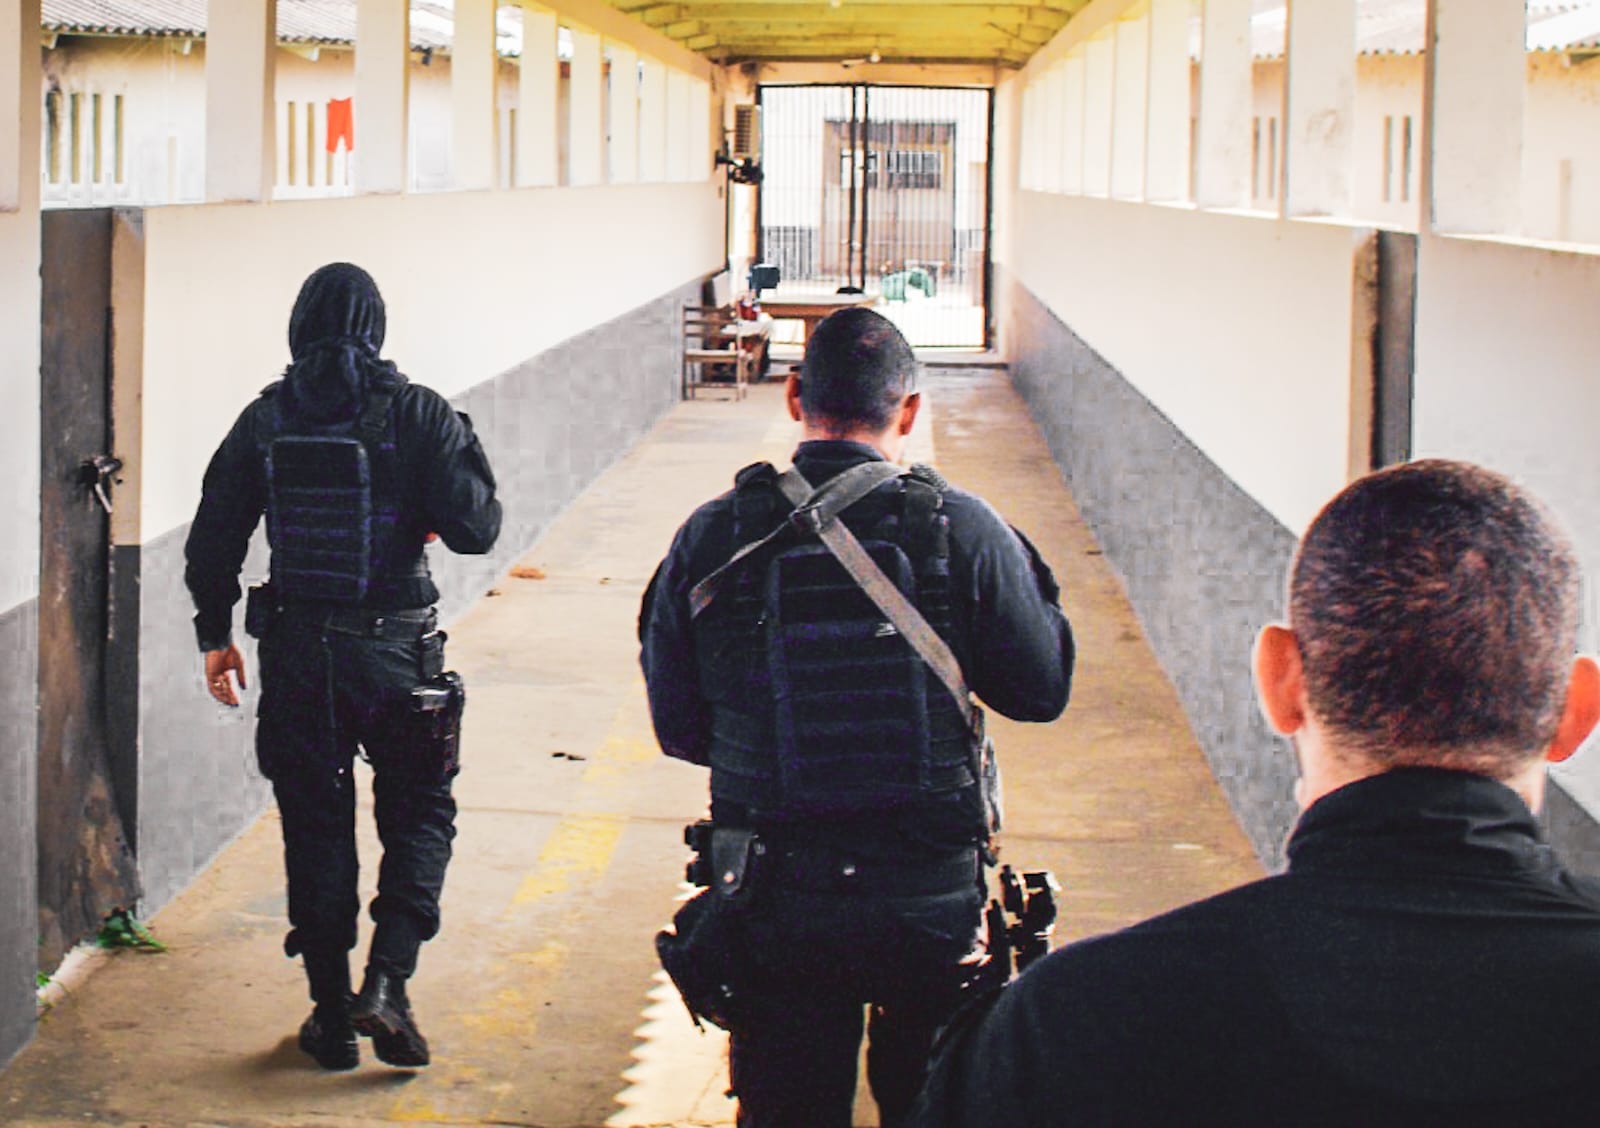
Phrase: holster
(701,954)
(260,610)
(436,708)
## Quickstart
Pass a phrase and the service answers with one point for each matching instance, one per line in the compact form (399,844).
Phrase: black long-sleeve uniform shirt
(447,487)
(1010,635)
(1424,961)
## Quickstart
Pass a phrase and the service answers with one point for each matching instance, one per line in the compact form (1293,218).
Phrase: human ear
(791,395)
(1280,679)
(908,412)
(1581,711)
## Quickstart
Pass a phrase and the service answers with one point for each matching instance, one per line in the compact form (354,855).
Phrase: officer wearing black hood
(355,469)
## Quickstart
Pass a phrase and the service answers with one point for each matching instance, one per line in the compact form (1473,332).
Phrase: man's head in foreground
(1433,614)
(858,382)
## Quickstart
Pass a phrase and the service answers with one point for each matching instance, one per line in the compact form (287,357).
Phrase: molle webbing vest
(819,707)
(333,502)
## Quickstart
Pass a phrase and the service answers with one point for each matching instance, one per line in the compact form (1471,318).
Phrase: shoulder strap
(374,422)
(816,507)
(879,588)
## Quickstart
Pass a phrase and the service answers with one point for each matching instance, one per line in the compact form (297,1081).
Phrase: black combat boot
(327,1035)
(383,1013)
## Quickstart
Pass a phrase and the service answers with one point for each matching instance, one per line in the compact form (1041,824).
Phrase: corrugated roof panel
(1398,27)
(299,21)
(1573,30)
(125,17)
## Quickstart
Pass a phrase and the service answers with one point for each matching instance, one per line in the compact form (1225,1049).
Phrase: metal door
(86,865)
(884,188)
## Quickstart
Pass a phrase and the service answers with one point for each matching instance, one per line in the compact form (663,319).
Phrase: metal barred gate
(885,188)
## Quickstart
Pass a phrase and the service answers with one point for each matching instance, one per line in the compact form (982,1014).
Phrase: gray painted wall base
(19,902)
(1204,565)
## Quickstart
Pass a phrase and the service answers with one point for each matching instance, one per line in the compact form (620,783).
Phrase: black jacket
(1013,642)
(1424,961)
(447,488)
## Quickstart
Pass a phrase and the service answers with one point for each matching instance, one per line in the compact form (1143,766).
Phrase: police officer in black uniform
(355,469)
(841,769)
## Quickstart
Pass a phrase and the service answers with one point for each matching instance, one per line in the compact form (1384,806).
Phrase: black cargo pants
(818,964)
(331,682)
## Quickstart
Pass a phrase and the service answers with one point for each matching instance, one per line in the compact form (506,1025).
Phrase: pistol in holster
(703,952)
(724,859)
(436,708)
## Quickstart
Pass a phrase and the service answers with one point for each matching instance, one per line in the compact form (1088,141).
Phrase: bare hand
(218,663)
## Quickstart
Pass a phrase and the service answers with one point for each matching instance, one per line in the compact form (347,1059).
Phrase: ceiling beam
(936,58)
(866,45)
(658,14)
(821,16)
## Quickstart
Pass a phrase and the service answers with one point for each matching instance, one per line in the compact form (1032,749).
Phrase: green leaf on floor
(121,929)
(41,980)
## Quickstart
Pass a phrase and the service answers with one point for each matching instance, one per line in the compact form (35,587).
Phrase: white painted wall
(162,84)
(480,282)
(1508,353)
(19,375)
(1561,150)
(164,106)
(1238,328)
(1388,95)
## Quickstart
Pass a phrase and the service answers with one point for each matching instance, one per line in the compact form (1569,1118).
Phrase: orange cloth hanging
(341,125)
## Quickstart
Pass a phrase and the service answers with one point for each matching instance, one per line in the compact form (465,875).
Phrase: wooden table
(812,308)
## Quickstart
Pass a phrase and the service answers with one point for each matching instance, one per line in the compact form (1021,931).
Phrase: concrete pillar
(586,140)
(1320,107)
(241,40)
(1222,178)
(473,140)
(624,103)
(700,146)
(18,90)
(538,141)
(1026,94)
(1073,75)
(1099,95)
(1036,126)
(1166,174)
(653,122)
(1054,118)
(1130,109)
(677,125)
(383,47)
(1473,97)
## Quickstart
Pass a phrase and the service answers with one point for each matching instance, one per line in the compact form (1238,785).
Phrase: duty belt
(396,625)
(834,871)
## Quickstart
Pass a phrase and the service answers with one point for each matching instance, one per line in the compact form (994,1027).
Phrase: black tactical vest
(819,707)
(333,502)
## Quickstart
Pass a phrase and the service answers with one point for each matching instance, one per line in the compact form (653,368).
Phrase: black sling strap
(816,507)
(878,587)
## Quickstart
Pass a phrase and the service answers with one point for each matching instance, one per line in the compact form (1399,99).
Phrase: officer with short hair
(355,469)
(842,771)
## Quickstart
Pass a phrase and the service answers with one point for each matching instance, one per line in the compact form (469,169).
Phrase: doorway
(886,189)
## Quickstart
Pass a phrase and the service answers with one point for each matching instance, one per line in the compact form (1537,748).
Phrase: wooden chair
(714,357)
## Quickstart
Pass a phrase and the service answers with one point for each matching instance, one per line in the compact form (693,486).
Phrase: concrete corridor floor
(541,996)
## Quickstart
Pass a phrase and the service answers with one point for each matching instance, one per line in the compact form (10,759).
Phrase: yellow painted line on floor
(576,854)
(580,847)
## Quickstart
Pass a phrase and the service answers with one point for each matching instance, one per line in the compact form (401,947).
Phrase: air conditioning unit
(746,132)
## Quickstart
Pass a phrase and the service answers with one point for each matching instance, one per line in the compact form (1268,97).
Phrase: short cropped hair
(857,369)
(1436,608)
